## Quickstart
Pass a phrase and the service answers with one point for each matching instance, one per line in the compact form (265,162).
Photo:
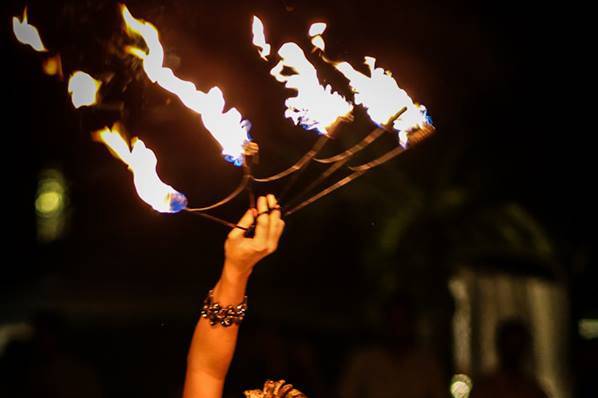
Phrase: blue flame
(238,160)
(178,202)
(310,125)
(427,117)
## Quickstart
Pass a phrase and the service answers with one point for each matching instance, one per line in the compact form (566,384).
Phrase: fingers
(269,225)
(246,221)
(275,238)
(276,224)
(274,213)
(269,389)
(277,386)
(285,390)
(263,223)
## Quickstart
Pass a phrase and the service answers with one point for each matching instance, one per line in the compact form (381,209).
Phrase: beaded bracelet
(225,316)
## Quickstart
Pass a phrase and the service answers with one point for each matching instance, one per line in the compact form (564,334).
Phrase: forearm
(212,347)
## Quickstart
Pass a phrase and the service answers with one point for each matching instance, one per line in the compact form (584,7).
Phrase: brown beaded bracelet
(225,316)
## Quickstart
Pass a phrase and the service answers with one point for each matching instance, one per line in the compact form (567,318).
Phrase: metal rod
(414,138)
(371,137)
(301,163)
(331,170)
(341,159)
(358,171)
(216,219)
(287,188)
(240,188)
(249,187)
(367,140)
(309,156)
(325,192)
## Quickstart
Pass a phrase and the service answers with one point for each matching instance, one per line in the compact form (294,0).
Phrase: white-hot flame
(228,128)
(142,162)
(315,32)
(317,29)
(259,38)
(27,33)
(315,106)
(380,94)
(83,89)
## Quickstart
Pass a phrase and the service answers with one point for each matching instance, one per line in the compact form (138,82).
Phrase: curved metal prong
(305,159)
(240,188)
(367,140)
(414,138)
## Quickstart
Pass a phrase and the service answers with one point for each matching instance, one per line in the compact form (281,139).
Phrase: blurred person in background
(397,368)
(512,378)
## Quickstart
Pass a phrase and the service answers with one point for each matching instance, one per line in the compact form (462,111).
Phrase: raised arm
(213,346)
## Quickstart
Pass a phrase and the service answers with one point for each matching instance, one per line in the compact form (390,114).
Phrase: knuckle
(260,248)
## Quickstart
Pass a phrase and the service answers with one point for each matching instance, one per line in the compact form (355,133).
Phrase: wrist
(231,287)
(235,274)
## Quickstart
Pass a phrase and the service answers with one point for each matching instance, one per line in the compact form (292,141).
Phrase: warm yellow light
(318,42)
(228,128)
(315,32)
(48,203)
(378,93)
(142,162)
(461,386)
(314,106)
(53,66)
(51,202)
(588,328)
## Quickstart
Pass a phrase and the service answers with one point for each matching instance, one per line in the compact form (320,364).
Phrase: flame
(315,106)
(228,128)
(317,29)
(315,32)
(318,42)
(53,66)
(83,89)
(142,162)
(26,33)
(380,94)
(259,39)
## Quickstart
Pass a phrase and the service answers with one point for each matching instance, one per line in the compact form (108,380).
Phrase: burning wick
(315,107)
(378,93)
(53,66)
(83,89)
(228,128)
(27,33)
(142,163)
(315,32)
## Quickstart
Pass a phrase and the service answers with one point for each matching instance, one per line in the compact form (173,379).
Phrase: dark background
(500,81)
